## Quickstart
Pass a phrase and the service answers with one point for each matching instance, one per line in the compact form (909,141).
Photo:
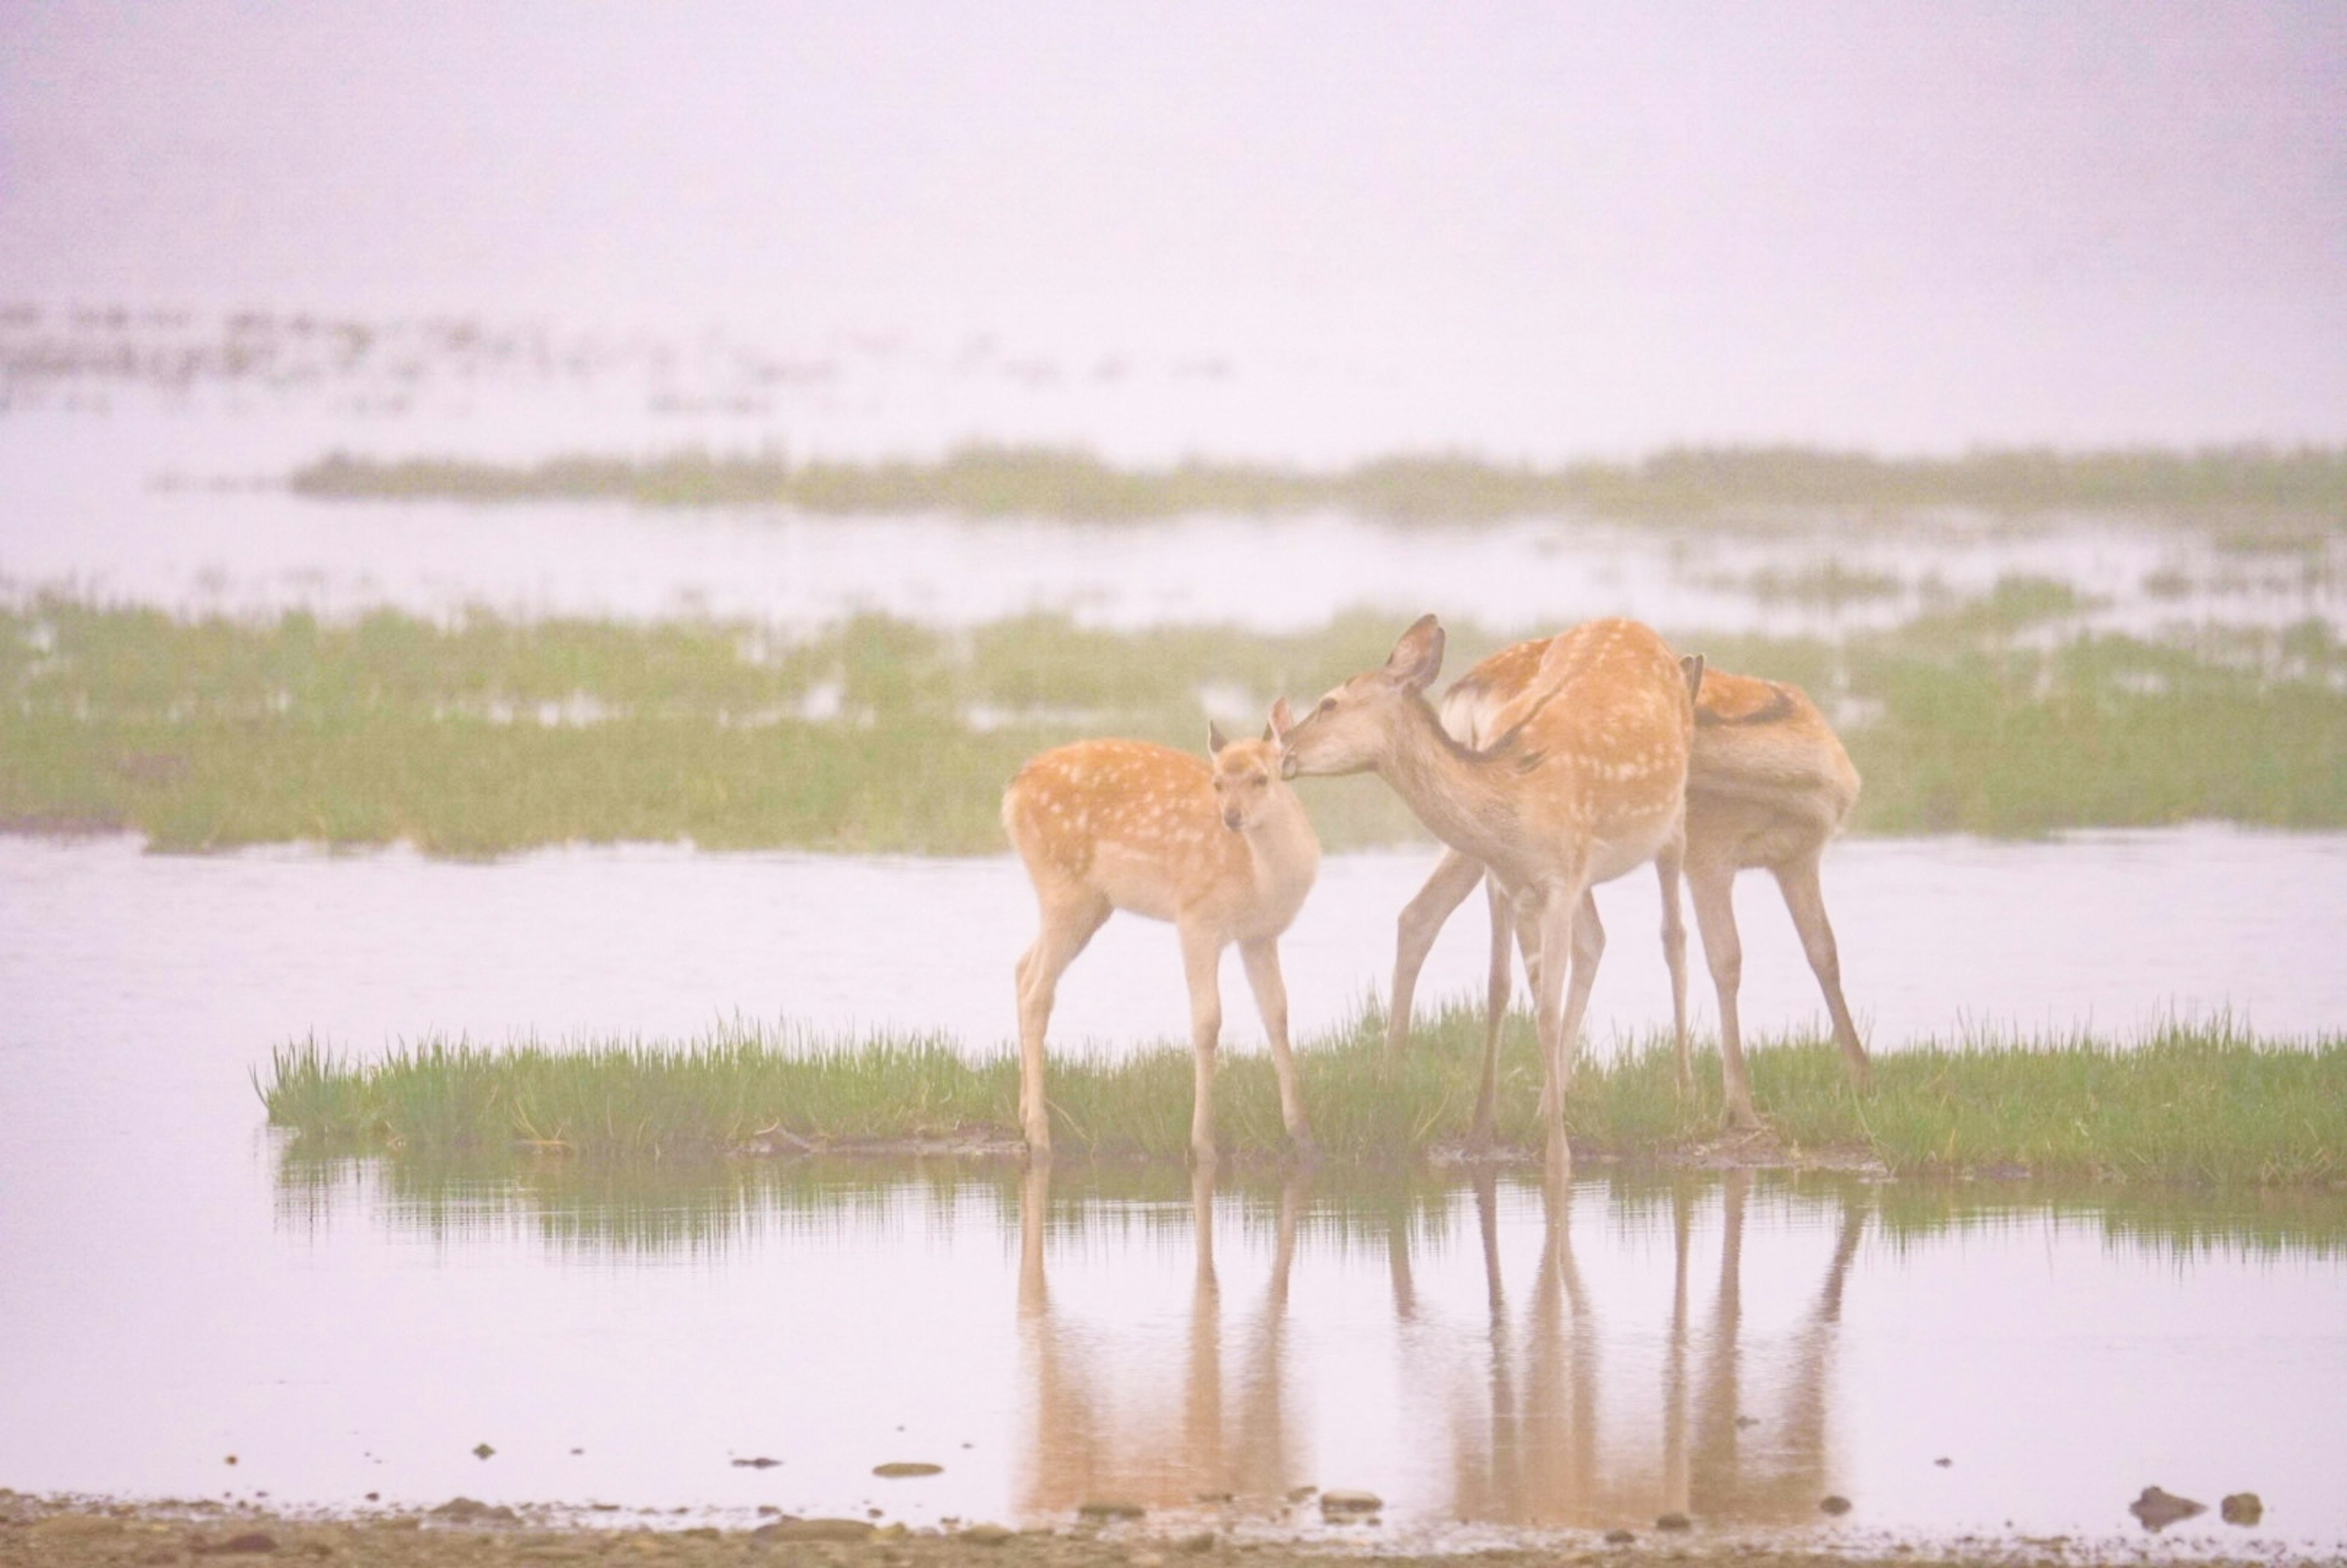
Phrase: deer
(1769,786)
(1219,846)
(1588,784)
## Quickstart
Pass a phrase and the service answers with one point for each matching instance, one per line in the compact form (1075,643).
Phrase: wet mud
(37,1533)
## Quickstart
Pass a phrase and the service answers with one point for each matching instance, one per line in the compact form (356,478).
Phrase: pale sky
(1895,224)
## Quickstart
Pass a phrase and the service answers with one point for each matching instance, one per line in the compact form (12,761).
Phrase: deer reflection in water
(1088,1442)
(1567,1409)
(1534,1441)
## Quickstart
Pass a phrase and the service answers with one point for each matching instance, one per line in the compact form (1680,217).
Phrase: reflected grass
(1409,1212)
(486,734)
(2204,1105)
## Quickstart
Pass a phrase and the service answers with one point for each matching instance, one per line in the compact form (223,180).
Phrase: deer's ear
(1215,739)
(1417,658)
(1282,721)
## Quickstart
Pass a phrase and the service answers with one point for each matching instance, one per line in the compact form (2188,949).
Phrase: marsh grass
(2204,1105)
(485,735)
(982,481)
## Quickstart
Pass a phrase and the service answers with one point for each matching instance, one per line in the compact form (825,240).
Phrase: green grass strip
(2205,1105)
(983,481)
(484,736)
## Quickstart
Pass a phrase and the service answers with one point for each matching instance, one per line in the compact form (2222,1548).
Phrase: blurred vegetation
(986,481)
(482,735)
(2203,1104)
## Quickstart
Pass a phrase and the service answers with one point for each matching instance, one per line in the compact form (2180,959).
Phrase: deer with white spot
(1589,782)
(1221,848)
(1769,786)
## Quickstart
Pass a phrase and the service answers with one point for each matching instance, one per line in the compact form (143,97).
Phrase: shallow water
(87,517)
(228,954)
(1484,1358)
(177,1289)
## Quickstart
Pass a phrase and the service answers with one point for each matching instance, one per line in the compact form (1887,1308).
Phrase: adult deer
(1222,849)
(1590,781)
(1769,785)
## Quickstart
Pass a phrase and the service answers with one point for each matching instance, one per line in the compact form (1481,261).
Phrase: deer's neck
(1461,797)
(1285,851)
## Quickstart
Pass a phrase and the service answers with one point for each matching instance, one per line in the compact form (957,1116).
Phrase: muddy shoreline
(58,1531)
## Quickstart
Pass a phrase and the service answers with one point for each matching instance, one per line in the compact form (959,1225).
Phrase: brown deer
(1589,782)
(1222,849)
(1769,785)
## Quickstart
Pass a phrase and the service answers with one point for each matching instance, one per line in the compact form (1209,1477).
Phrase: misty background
(1304,231)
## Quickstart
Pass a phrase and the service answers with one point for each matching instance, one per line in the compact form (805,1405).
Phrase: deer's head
(1248,772)
(1347,731)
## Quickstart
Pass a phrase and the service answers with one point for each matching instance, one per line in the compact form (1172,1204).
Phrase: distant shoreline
(1072,485)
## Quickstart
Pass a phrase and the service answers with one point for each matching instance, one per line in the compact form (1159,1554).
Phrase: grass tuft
(2205,1105)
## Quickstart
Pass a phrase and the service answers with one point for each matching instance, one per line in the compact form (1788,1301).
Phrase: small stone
(482,1451)
(1100,1509)
(906,1469)
(466,1510)
(1301,1493)
(251,1542)
(1334,1504)
(2242,1508)
(761,1462)
(1619,1537)
(813,1530)
(987,1535)
(1836,1505)
(1674,1521)
(2159,1509)
(1943,1461)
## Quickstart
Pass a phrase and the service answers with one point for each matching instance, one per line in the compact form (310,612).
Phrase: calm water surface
(86,516)
(175,1288)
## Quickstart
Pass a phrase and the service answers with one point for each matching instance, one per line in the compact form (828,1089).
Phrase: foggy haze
(1529,231)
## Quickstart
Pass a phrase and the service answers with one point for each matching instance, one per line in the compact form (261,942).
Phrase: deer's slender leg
(1069,921)
(1498,984)
(1667,868)
(1557,909)
(1798,880)
(1712,884)
(1588,951)
(1261,957)
(1414,933)
(1202,953)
